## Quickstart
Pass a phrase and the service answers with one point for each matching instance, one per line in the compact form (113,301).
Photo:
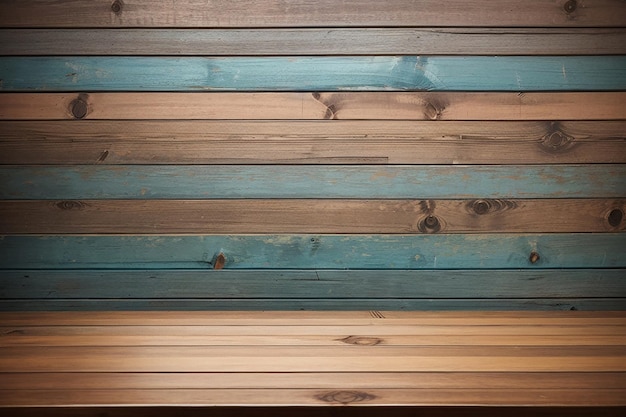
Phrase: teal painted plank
(457,251)
(322,181)
(312,284)
(426,73)
(511,304)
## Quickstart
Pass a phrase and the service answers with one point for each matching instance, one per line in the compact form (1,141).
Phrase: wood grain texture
(315,106)
(295,380)
(298,13)
(363,73)
(144,182)
(311,216)
(340,285)
(453,251)
(313,359)
(311,397)
(306,41)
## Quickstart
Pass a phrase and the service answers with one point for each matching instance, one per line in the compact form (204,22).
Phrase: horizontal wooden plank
(306,106)
(308,397)
(299,142)
(325,13)
(307,41)
(316,304)
(311,216)
(454,251)
(314,318)
(313,359)
(314,181)
(294,380)
(374,73)
(19,337)
(238,284)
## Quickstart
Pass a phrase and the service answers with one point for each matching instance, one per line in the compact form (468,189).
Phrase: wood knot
(70,205)
(570,6)
(117,6)
(79,108)
(361,341)
(556,141)
(615,217)
(486,206)
(534,257)
(346,397)
(429,224)
(219,261)
(432,111)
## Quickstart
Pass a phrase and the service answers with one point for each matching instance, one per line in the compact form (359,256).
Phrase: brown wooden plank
(313,359)
(306,41)
(329,380)
(338,335)
(316,106)
(298,142)
(308,216)
(303,319)
(27,338)
(276,13)
(295,397)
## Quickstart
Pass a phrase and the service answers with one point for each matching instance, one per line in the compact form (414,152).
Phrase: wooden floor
(269,359)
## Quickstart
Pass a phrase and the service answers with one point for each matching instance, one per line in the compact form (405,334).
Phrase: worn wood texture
(362,73)
(340,285)
(437,251)
(423,182)
(302,13)
(301,142)
(311,216)
(364,105)
(314,41)
(112,362)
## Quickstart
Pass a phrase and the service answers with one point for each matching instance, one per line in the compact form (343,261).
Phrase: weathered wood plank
(114,143)
(314,318)
(116,336)
(323,181)
(312,216)
(321,304)
(307,41)
(194,284)
(454,251)
(315,106)
(325,13)
(316,397)
(421,380)
(313,359)
(377,73)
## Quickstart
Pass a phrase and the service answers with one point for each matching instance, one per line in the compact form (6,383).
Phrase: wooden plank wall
(312,155)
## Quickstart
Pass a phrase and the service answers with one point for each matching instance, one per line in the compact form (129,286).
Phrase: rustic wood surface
(314,41)
(303,13)
(311,216)
(371,106)
(288,251)
(112,363)
(420,182)
(313,73)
